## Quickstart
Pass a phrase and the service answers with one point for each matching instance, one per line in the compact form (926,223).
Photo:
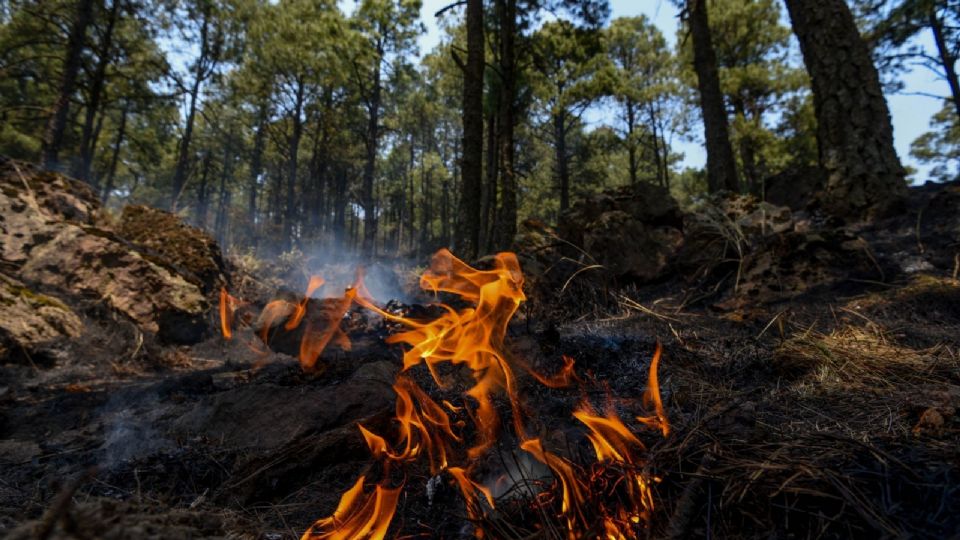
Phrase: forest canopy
(314,123)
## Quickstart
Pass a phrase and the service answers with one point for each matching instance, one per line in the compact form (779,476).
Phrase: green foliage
(940,146)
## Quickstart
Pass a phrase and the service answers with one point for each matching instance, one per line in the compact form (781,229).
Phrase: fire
(359,514)
(612,495)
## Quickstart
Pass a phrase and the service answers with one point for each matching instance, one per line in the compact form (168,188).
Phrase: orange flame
(228,305)
(315,283)
(473,337)
(651,397)
(324,329)
(424,427)
(358,516)
(562,379)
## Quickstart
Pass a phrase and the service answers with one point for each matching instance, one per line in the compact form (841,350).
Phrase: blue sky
(911,114)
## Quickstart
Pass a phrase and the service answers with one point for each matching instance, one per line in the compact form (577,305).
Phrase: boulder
(628,247)
(788,264)
(57,196)
(31,324)
(52,238)
(194,253)
(632,232)
(93,263)
(726,227)
(795,188)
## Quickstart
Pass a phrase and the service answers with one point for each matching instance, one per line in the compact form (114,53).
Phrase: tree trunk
(256,169)
(340,209)
(223,199)
(471,169)
(563,170)
(183,154)
(445,214)
(488,204)
(111,174)
(87,139)
(57,123)
(203,194)
(293,152)
(947,60)
(426,216)
(746,149)
(507,216)
(721,166)
(369,170)
(854,134)
(632,165)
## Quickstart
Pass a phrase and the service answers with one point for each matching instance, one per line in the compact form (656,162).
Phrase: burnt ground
(831,413)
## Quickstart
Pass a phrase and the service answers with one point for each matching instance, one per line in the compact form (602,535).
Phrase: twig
(61,504)
(916,232)
(686,507)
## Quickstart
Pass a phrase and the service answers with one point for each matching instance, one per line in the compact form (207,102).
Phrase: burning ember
(611,498)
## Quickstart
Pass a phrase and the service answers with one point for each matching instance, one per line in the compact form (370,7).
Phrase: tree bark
(632,165)
(488,206)
(57,123)
(203,192)
(507,215)
(854,133)
(256,169)
(471,168)
(183,153)
(292,164)
(721,165)
(368,201)
(563,169)
(115,159)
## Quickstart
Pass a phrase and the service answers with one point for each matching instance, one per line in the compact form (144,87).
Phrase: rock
(725,228)
(794,188)
(191,251)
(57,196)
(627,247)
(52,239)
(789,264)
(30,323)
(632,232)
(92,262)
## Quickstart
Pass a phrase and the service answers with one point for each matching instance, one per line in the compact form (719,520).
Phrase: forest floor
(828,414)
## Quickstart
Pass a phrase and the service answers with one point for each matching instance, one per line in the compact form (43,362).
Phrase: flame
(610,497)
(324,329)
(562,379)
(651,397)
(359,515)
(470,490)
(228,305)
(424,427)
(471,336)
(315,283)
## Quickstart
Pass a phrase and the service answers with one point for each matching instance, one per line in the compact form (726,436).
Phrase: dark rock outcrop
(632,232)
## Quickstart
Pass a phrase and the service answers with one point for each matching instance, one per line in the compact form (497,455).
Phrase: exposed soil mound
(196,256)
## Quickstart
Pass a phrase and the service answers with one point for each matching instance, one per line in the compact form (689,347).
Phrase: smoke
(129,421)
(520,478)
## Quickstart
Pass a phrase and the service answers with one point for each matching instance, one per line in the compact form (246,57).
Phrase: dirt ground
(828,413)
